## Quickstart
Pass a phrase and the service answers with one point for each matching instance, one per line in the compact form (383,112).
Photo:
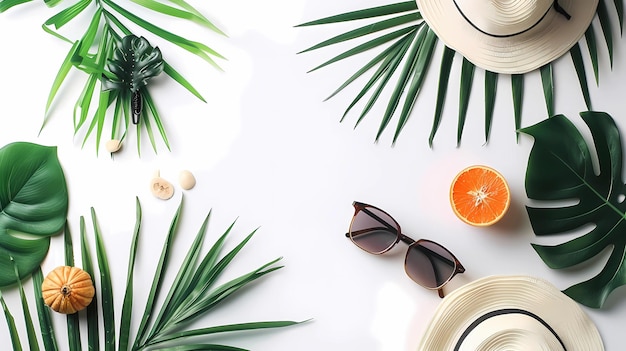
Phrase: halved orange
(479,195)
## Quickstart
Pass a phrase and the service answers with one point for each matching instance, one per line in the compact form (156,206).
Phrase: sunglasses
(426,262)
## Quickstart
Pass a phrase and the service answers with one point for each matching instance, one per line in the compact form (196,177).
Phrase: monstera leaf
(33,207)
(560,168)
(133,63)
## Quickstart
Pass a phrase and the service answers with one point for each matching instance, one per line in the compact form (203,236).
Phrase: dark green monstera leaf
(560,168)
(134,62)
(33,207)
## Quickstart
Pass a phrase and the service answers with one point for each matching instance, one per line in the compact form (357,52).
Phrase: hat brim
(552,37)
(532,313)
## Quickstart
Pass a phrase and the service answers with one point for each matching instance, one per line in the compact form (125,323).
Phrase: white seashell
(161,188)
(187,180)
(113,145)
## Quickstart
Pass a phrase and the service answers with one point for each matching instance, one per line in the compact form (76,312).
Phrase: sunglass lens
(373,230)
(429,264)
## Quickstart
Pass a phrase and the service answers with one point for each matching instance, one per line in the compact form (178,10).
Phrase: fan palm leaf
(399,31)
(196,289)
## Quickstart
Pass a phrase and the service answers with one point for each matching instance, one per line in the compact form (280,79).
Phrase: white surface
(265,149)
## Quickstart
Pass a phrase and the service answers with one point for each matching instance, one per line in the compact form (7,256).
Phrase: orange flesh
(479,196)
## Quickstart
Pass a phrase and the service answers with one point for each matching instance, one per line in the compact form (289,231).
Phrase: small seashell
(161,188)
(187,180)
(113,145)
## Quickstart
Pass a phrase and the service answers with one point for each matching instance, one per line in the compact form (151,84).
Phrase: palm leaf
(7,4)
(190,14)
(579,64)
(15,337)
(127,305)
(467,78)
(605,24)
(547,80)
(405,73)
(108,314)
(385,59)
(72,321)
(93,323)
(366,13)
(28,320)
(228,328)
(517,87)
(156,282)
(193,292)
(404,17)
(45,321)
(102,28)
(592,47)
(425,54)
(491,86)
(444,78)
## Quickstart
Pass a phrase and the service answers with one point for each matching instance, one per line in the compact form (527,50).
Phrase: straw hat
(510,313)
(509,36)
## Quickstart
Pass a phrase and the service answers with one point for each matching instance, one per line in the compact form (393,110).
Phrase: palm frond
(28,320)
(105,29)
(45,320)
(547,79)
(517,87)
(93,321)
(491,87)
(13,333)
(390,28)
(581,72)
(193,292)
(467,78)
(444,78)
(72,321)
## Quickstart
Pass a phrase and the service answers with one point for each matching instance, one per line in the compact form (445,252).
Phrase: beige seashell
(113,145)
(161,188)
(186,180)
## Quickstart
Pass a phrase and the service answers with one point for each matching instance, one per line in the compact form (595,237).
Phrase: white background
(267,151)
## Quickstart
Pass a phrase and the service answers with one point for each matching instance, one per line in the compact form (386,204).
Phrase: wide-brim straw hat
(509,36)
(510,313)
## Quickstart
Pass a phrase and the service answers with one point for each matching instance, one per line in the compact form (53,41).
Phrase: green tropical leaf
(592,47)
(366,13)
(491,87)
(34,204)
(15,336)
(134,62)
(547,80)
(561,169)
(581,72)
(93,323)
(108,313)
(400,20)
(127,306)
(71,320)
(606,25)
(103,30)
(7,4)
(28,320)
(43,312)
(419,70)
(467,79)
(517,87)
(444,78)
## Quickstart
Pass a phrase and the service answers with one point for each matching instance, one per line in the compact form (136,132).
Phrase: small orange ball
(67,289)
